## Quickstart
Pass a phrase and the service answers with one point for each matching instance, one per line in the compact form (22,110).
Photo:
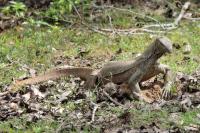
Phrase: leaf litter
(48,100)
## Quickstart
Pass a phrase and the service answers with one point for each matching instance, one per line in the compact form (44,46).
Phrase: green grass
(20,125)
(190,117)
(138,118)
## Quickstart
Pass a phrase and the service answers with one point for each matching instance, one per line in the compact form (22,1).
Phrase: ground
(41,48)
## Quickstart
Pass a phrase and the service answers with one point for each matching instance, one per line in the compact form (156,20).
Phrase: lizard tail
(82,72)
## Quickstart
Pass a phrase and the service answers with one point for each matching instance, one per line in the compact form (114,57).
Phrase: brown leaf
(37,92)
(27,96)
(192,128)
(13,106)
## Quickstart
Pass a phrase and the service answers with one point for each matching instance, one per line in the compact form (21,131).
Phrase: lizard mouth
(166,43)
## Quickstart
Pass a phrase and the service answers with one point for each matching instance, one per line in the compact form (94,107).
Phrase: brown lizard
(129,72)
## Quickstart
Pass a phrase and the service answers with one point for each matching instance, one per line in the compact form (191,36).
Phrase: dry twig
(96,106)
(193,19)
(145,29)
(174,25)
(111,99)
(183,11)
(127,10)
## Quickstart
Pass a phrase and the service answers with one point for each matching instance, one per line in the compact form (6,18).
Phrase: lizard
(131,72)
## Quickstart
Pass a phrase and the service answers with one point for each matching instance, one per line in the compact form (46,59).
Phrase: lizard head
(165,43)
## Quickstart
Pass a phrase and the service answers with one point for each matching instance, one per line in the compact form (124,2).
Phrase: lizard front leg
(165,70)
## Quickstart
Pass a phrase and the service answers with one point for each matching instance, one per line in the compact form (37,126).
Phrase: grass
(38,48)
(138,118)
(21,126)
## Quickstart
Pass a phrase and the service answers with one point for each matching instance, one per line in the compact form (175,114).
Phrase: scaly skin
(128,72)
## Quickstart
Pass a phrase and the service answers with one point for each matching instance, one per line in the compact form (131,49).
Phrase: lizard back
(116,67)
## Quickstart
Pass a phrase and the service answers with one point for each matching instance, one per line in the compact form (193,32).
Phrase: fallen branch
(127,10)
(95,29)
(131,31)
(96,106)
(169,26)
(175,24)
(193,19)
(111,99)
(183,11)
(145,29)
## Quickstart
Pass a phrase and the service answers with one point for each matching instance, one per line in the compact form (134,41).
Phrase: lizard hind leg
(136,92)
(91,82)
(133,83)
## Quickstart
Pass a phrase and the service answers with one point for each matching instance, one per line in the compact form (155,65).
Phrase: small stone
(187,49)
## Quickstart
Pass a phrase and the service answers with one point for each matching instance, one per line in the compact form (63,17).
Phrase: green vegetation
(16,8)
(59,9)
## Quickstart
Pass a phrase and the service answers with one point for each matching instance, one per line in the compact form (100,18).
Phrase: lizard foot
(137,96)
(142,97)
(166,92)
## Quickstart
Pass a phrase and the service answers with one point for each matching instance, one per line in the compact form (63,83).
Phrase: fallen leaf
(13,106)
(27,96)
(37,92)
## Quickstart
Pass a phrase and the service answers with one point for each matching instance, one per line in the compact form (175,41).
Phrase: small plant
(60,8)
(16,8)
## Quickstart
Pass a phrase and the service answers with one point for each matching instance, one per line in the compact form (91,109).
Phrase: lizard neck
(150,56)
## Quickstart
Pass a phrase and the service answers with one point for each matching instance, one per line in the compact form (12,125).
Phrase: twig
(132,30)
(110,22)
(94,29)
(183,10)
(165,26)
(111,25)
(126,10)
(96,106)
(145,29)
(174,25)
(76,10)
(111,99)
(195,19)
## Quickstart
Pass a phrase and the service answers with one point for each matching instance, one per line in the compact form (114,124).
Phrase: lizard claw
(166,92)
